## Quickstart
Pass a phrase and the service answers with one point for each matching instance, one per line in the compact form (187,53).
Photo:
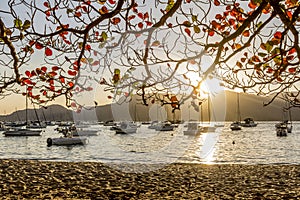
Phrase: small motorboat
(22,132)
(165,126)
(65,141)
(248,122)
(281,130)
(126,128)
(235,126)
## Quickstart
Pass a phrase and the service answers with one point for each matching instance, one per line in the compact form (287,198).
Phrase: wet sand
(25,179)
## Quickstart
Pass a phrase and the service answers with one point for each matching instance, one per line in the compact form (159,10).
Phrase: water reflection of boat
(192,129)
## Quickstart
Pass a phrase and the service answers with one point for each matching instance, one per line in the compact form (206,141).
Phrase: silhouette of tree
(148,48)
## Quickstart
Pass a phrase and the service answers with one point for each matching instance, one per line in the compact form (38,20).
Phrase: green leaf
(194,18)
(259,24)
(196,29)
(69,11)
(90,60)
(104,36)
(257,1)
(18,23)
(269,46)
(117,71)
(26,25)
(262,54)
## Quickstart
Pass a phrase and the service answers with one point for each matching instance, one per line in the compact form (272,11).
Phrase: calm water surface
(258,145)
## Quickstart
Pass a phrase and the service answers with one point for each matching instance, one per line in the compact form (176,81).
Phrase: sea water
(255,145)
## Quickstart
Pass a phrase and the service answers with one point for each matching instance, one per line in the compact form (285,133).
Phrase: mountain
(223,106)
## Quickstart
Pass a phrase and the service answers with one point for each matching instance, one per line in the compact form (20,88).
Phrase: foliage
(148,48)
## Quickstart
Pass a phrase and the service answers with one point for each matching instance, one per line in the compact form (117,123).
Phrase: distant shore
(91,180)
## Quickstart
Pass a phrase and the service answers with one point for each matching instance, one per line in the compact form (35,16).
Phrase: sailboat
(23,131)
(208,128)
(285,126)
(236,125)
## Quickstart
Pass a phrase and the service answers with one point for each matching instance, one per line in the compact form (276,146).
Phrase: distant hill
(223,106)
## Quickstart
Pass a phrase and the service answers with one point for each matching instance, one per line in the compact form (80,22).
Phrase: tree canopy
(148,48)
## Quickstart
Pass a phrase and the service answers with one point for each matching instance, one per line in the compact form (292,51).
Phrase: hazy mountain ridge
(250,106)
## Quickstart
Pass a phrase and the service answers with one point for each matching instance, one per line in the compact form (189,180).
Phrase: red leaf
(217,2)
(72,73)
(55,68)
(96,63)
(71,84)
(115,20)
(38,45)
(62,79)
(77,14)
(148,23)
(52,88)
(188,1)
(73,104)
(33,73)
(278,35)
(111,1)
(140,25)
(131,17)
(246,33)
(88,47)
(146,15)
(52,74)
(292,69)
(252,5)
(211,33)
(292,51)
(45,93)
(141,15)
(44,69)
(103,10)
(46,4)
(219,16)
(48,52)
(89,89)
(31,43)
(28,73)
(48,13)
(188,31)
(110,97)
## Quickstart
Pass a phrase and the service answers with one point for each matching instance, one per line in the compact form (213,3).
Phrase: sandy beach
(27,179)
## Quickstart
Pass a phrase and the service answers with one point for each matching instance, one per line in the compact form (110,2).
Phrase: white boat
(248,122)
(192,129)
(153,125)
(65,141)
(22,132)
(281,129)
(164,126)
(235,126)
(126,128)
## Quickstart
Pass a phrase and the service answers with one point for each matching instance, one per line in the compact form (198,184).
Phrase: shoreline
(32,179)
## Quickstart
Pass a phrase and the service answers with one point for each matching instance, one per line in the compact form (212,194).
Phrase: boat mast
(26,112)
(208,107)
(238,104)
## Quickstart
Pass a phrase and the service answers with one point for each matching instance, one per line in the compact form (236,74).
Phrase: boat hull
(65,141)
(20,133)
